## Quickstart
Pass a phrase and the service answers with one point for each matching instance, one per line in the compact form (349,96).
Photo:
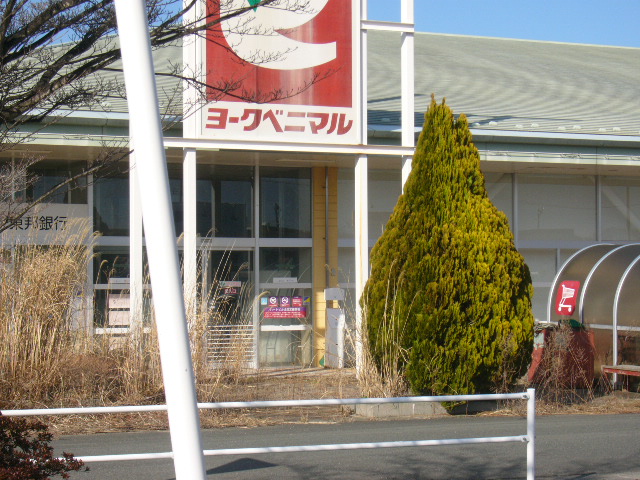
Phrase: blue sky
(600,22)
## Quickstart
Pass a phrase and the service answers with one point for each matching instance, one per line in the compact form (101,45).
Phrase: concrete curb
(385,410)
(421,409)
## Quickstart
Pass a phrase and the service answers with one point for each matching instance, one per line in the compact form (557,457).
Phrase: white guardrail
(529,438)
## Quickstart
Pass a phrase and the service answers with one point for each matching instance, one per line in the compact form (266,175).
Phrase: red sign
(297,301)
(285,312)
(284,74)
(567,297)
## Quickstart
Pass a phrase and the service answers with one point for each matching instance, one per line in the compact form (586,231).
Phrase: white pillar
(361,205)
(190,263)
(362,247)
(407,68)
(136,280)
(173,337)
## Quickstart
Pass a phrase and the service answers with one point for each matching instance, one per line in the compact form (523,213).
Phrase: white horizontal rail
(310,448)
(529,438)
(265,404)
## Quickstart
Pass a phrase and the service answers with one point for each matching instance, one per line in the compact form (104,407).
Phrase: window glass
(110,263)
(231,295)
(285,327)
(49,174)
(177,196)
(385,186)
(285,265)
(111,205)
(346,265)
(500,190)
(225,201)
(539,303)
(285,203)
(620,208)
(541,263)
(346,203)
(556,207)
(230,266)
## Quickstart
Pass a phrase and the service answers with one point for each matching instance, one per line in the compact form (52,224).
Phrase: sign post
(173,335)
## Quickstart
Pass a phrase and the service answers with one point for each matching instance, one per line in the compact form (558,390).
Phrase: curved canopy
(599,286)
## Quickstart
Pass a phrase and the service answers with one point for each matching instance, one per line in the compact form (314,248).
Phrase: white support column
(362,248)
(136,280)
(256,266)
(173,337)
(190,236)
(90,273)
(407,68)
(361,205)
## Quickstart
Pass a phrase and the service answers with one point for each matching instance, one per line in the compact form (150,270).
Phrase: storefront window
(500,190)
(620,208)
(231,293)
(47,175)
(385,186)
(556,207)
(346,203)
(542,266)
(111,205)
(110,263)
(285,203)
(225,201)
(285,265)
(285,327)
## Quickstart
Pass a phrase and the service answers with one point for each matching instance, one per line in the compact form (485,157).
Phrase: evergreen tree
(446,280)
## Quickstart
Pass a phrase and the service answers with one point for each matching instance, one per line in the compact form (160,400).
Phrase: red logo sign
(282,73)
(567,297)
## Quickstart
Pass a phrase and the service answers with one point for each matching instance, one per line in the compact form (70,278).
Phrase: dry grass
(263,385)
(46,360)
(42,288)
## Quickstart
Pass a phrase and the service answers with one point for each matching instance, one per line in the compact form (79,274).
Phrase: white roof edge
(487,135)
(510,39)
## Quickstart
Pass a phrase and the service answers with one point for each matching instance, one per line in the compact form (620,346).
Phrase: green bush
(446,279)
(26,454)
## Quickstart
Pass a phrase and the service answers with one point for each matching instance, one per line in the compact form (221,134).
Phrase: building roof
(500,84)
(504,84)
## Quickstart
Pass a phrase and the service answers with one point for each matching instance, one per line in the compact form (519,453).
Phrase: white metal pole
(173,336)
(531,433)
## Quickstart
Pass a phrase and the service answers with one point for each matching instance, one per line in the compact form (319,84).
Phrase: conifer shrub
(446,280)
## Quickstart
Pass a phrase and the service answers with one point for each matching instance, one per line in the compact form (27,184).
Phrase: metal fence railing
(528,438)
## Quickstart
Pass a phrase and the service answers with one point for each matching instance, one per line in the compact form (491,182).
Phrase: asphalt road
(585,447)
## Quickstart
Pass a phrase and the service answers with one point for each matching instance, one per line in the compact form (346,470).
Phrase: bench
(629,370)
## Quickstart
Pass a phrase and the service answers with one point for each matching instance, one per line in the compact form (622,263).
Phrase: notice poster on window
(286,72)
(285,307)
